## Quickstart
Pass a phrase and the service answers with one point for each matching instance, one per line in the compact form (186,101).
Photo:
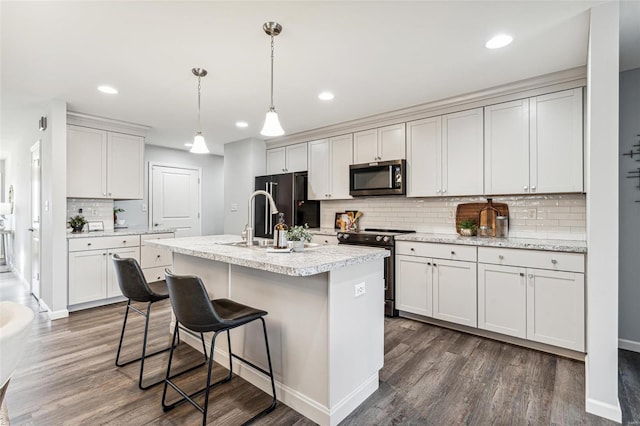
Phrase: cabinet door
(506,153)
(555,308)
(365,146)
(341,157)
(556,142)
(86,162)
(325,239)
(414,285)
(423,163)
(462,153)
(276,161)
(113,288)
(319,166)
(125,164)
(87,276)
(392,142)
(296,158)
(454,291)
(502,299)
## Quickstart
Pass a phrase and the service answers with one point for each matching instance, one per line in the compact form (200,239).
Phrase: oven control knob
(386,239)
(379,238)
(345,236)
(339,235)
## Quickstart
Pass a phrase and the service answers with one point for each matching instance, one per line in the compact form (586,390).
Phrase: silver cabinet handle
(104,194)
(109,193)
(554,261)
(158,256)
(124,241)
(453,253)
(444,190)
(429,263)
(533,187)
(530,276)
(525,187)
(522,274)
(88,244)
(104,254)
(501,257)
(412,249)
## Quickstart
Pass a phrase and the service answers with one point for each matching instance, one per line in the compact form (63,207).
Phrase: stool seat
(158,291)
(231,315)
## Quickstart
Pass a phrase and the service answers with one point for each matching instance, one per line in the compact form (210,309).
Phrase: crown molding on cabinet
(540,85)
(109,124)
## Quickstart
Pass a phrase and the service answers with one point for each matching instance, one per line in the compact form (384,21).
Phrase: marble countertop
(311,261)
(122,231)
(518,243)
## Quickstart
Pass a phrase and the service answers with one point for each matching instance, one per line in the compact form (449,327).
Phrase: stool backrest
(131,279)
(191,303)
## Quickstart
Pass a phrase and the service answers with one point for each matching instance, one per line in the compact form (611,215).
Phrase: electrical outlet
(144,207)
(360,289)
(452,214)
(532,213)
(234,207)
(94,212)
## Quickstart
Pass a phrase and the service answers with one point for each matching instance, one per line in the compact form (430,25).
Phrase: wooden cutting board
(472,211)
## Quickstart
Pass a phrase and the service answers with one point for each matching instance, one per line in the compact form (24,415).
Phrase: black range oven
(383,238)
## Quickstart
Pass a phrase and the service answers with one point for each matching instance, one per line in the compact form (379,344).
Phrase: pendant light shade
(272,125)
(199,145)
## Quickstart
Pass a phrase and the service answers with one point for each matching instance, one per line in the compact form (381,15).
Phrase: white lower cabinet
(87,276)
(414,284)
(440,288)
(454,291)
(517,298)
(502,299)
(325,239)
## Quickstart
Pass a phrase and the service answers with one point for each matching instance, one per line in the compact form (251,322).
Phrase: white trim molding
(629,345)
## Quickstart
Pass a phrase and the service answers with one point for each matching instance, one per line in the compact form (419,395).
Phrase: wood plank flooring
(431,376)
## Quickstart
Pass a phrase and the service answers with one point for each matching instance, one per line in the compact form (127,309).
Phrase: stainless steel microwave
(378,178)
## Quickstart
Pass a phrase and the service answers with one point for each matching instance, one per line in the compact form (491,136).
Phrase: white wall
(53,251)
(602,223)
(212,187)
(243,161)
(629,327)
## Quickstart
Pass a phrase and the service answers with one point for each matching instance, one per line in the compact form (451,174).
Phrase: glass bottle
(487,219)
(280,233)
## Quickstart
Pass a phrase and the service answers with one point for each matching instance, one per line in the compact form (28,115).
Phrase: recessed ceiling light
(326,96)
(501,40)
(188,144)
(108,90)
(242,124)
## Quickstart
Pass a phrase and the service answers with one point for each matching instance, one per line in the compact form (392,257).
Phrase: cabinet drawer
(154,256)
(146,237)
(100,243)
(154,274)
(439,251)
(553,260)
(325,239)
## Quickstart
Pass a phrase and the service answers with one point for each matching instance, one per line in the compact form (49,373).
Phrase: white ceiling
(375,56)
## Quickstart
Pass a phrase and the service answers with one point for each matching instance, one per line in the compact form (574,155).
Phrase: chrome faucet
(249,227)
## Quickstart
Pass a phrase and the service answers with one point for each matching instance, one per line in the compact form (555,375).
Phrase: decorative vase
(77,229)
(297,245)
(466,232)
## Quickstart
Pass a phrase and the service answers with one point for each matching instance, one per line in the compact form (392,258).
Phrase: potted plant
(468,227)
(77,222)
(298,235)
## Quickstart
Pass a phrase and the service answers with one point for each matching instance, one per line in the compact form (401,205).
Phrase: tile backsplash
(558,216)
(92,210)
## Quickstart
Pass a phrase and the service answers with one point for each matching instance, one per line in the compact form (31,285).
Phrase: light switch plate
(532,213)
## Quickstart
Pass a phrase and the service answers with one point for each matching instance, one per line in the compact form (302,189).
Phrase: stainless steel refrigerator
(289,191)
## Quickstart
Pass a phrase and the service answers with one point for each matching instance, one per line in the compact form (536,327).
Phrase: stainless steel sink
(256,244)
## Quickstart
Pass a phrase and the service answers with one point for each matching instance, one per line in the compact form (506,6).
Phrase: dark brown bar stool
(134,287)
(197,312)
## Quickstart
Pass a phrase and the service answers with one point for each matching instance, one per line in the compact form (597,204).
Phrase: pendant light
(199,145)
(271,123)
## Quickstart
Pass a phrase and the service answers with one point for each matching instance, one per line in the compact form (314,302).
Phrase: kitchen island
(325,322)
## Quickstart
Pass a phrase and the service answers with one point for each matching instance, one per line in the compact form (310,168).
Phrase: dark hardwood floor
(431,376)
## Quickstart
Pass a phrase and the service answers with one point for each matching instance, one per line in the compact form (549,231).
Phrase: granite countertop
(324,231)
(311,261)
(517,243)
(117,232)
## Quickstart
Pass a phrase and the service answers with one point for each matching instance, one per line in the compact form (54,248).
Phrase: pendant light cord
(271,107)
(199,130)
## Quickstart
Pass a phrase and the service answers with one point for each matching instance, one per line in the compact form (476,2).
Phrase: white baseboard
(602,409)
(630,345)
(53,315)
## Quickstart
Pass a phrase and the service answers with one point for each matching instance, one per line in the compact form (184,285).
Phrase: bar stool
(134,287)
(197,312)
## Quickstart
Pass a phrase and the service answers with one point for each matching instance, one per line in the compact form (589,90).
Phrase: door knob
(156,224)
(30,229)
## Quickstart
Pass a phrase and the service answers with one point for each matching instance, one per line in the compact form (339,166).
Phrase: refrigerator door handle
(267,216)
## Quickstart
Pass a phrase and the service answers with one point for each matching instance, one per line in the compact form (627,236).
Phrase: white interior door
(175,199)
(35,219)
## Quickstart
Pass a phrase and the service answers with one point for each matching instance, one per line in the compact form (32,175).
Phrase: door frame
(150,166)
(35,147)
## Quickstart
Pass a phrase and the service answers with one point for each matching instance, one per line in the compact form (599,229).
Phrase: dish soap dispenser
(280,233)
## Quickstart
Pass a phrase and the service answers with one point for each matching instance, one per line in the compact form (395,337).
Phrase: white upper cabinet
(329,161)
(462,168)
(535,145)
(444,155)
(381,144)
(556,130)
(287,159)
(102,164)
